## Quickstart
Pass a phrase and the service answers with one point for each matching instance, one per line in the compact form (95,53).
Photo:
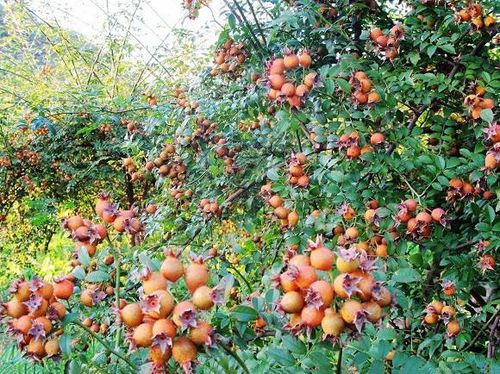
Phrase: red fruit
(288,89)
(277,66)
(377,138)
(56,311)
(158,304)
(382,41)
(299,260)
(292,302)
(184,314)
(431,318)
(349,311)
(153,282)
(36,348)
(453,328)
(15,308)
(322,258)
(184,350)
(101,204)
(63,289)
(202,333)
(411,205)
(23,324)
(52,347)
(287,282)
(196,275)
(159,356)
(164,326)
(320,294)
(311,316)
(424,217)
(143,335)
(21,290)
(305,59)
(373,311)
(306,275)
(72,223)
(291,61)
(131,315)
(365,284)
(332,323)
(172,268)
(375,33)
(310,79)
(277,81)
(202,298)
(345,285)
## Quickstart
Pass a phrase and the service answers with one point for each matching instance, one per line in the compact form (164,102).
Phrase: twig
(485,326)
(105,344)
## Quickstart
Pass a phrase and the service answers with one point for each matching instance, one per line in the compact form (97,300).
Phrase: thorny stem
(105,344)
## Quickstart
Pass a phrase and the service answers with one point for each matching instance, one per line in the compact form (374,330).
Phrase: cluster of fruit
(183,102)
(122,220)
(476,102)
(169,165)
(131,169)
(308,295)
(4,162)
(486,261)
(105,128)
(350,143)
(362,89)
(420,225)
(474,14)
(129,124)
(436,311)
(210,208)
(41,131)
(492,157)
(388,45)
(288,218)
(458,189)
(169,328)
(227,154)
(204,130)
(229,58)
(281,88)
(296,175)
(25,155)
(193,7)
(36,313)
(85,233)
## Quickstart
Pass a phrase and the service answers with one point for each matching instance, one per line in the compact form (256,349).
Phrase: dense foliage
(322,197)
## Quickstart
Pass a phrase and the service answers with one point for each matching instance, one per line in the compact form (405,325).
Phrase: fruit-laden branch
(255,41)
(425,107)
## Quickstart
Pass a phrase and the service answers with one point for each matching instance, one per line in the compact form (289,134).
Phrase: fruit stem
(236,357)
(339,362)
(103,342)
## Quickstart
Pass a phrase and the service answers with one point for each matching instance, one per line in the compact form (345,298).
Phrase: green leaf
(448,48)
(344,85)
(272,174)
(487,115)
(97,276)
(83,256)
(244,313)
(406,275)
(431,50)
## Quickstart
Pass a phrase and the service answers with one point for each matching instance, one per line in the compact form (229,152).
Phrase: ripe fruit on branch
(196,274)
(131,315)
(292,302)
(332,323)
